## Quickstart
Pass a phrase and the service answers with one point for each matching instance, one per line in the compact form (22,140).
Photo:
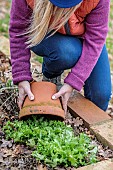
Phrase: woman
(67,34)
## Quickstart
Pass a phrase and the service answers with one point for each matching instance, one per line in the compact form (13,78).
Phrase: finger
(29,93)
(65,108)
(64,104)
(20,102)
(57,95)
(21,97)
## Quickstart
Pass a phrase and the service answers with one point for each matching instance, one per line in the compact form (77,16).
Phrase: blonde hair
(46,18)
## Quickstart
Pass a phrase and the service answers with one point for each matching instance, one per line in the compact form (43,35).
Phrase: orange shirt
(76,23)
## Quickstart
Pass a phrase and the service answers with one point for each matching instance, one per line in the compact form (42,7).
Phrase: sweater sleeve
(94,38)
(20,54)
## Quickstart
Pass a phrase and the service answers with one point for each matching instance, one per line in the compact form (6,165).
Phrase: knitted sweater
(96,24)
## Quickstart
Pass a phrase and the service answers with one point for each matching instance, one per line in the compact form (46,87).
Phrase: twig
(7,100)
(8,88)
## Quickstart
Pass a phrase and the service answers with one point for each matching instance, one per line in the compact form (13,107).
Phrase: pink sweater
(94,38)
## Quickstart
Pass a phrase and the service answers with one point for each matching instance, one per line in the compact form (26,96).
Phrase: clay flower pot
(43,103)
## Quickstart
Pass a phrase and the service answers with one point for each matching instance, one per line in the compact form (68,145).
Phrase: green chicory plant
(54,142)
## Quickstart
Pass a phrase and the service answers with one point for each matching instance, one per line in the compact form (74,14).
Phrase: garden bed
(17,155)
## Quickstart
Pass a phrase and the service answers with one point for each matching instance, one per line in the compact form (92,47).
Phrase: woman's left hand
(64,93)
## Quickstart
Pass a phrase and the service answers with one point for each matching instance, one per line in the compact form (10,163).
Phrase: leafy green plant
(39,59)
(9,83)
(54,142)
(4,25)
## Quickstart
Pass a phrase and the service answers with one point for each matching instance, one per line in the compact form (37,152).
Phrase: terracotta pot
(43,103)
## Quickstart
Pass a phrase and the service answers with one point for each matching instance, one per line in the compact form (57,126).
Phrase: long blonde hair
(46,18)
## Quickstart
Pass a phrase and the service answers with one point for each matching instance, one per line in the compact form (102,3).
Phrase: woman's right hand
(24,89)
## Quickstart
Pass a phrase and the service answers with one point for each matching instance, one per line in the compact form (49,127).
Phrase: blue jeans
(62,52)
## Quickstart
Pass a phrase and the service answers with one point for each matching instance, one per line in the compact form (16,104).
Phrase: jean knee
(68,55)
(102,98)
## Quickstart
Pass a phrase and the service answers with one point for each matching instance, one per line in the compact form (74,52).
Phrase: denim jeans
(62,52)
